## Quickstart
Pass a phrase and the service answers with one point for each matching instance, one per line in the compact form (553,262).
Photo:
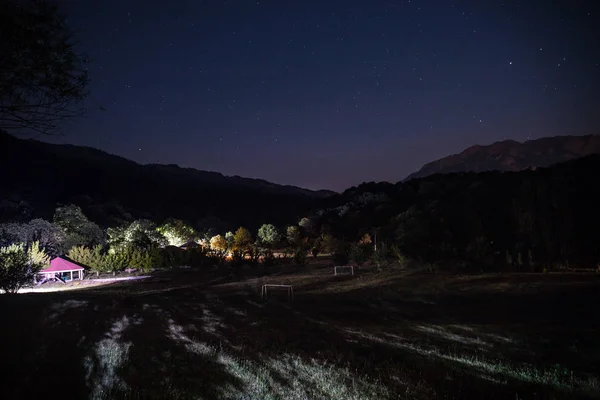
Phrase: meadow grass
(378,335)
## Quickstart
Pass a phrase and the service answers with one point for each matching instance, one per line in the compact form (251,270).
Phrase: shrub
(197,257)
(380,256)
(268,258)
(16,268)
(300,256)
(141,260)
(173,256)
(254,254)
(237,258)
(81,255)
(358,254)
(116,262)
(340,257)
(157,257)
(402,259)
(315,252)
(92,258)
(508,258)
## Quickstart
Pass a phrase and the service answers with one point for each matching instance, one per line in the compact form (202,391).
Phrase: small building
(190,245)
(63,270)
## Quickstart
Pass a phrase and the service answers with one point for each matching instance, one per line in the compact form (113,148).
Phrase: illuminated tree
(268,234)
(230,238)
(242,239)
(218,243)
(17,269)
(141,260)
(177,232)
(43,80)
(92,258)
(140,234)
(38,256)
(365,239)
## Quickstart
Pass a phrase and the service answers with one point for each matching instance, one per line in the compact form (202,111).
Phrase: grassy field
(200,334)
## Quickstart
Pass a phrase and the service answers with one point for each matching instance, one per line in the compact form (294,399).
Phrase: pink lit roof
(61,265)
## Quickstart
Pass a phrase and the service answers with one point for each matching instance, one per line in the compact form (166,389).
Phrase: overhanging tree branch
(43,80)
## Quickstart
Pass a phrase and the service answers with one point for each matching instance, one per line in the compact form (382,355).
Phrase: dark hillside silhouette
(37,176)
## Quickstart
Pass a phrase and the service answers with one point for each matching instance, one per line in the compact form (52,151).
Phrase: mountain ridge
(113,189)
(215,174)
(511,155)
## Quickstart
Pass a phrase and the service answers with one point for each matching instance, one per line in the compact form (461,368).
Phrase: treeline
(529,220)
(142,245)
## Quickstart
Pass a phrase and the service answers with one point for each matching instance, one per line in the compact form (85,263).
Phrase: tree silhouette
(43,80)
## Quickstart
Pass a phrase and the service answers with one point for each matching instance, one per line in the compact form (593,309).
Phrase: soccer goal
(289,288)
(343,270)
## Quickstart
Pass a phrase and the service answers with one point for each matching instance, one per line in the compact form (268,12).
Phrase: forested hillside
(529,219)
(37,177)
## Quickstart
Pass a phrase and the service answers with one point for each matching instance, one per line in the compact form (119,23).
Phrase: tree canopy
(177,232)
(218,243)
(49,236)
(78,230)
(268,234)
(140,234)
(293,235)
(17,269)
(43,79)
(242,239)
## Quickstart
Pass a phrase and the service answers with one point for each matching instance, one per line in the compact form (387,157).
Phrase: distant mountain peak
(510,155)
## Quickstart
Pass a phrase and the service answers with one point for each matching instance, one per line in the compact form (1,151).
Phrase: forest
(532,220)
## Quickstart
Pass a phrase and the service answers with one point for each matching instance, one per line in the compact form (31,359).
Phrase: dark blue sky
(328,94)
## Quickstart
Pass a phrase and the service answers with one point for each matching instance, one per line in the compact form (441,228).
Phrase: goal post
(288,288)
(341,268)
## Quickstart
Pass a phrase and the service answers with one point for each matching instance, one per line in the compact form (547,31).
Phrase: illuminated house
(63,270)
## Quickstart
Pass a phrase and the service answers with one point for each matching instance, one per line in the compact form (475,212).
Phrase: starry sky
(329,94)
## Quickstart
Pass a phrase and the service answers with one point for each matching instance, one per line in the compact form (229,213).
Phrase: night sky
(328,94)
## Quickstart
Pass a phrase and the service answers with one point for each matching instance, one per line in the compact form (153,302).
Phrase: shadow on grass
(201,335)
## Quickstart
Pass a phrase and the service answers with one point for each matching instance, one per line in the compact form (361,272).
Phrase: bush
(380,256)
(400,257)
(300,256)
(196,257)
(141,260)
(173,256)
(358,254)
(340,257)
(116,262)
(16,268)
(254,254)
(237,258)
(315,252)
(268,258)
(92,258)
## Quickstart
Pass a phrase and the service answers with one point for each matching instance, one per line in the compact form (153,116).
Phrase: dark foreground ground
(193,334)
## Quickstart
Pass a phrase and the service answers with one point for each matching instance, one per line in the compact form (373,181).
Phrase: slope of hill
(510,155)
(37,176)
(543,218)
